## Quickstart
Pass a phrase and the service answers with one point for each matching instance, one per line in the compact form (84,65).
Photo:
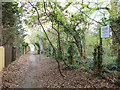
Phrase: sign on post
(105,32)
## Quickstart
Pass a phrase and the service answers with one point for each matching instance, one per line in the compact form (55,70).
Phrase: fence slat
(2,58)
(8,56)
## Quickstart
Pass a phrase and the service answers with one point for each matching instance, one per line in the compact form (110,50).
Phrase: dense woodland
(71,36)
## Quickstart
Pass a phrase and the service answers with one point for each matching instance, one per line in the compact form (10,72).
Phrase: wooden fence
(8,55)
(26,49)
(2,50)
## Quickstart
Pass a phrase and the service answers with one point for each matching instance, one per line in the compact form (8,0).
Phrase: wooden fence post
(2,58)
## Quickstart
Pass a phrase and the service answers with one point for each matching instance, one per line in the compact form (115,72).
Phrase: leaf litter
(47,76)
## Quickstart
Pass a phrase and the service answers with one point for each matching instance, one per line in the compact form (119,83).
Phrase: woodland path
(37,70)
(44,74)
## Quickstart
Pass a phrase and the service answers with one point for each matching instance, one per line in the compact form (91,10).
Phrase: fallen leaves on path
(49,77)
(46,75)
(13,74)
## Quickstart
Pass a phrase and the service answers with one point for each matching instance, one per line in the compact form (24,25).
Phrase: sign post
(103,33)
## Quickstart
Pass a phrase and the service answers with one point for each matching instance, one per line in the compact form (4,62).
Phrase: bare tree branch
(98,22)
(48,38)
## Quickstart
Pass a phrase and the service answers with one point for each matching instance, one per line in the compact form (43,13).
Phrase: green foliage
(13,31)
(73,66)
(25,44)
(78,61)
(48,51)
(37,45)
(108,71)
(118,61)
(89,65)
(77,34)
(15,62)
(109,59)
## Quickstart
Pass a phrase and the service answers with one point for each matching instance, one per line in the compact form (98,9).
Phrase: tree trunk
(59,45)
(99,62)
(79,46)
(48,39)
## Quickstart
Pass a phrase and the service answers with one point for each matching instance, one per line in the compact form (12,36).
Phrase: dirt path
(36,71)
(44,74)
(29,79)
